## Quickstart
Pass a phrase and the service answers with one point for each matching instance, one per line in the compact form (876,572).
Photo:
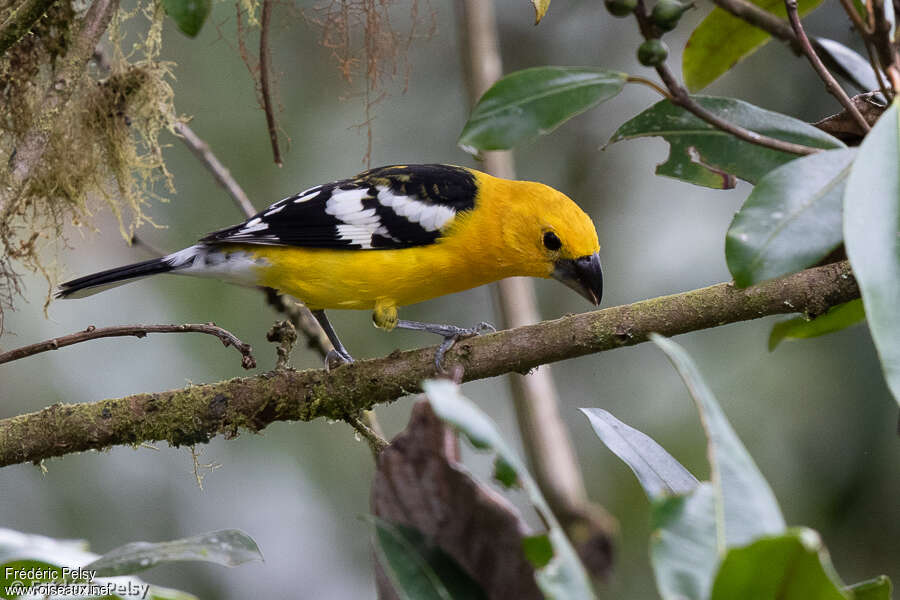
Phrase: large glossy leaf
(791,220)
(722,40)
(701,154)
(562,576)
(419,570)
(23,551)
(683,544)
(189,15)
(746,507)
(836,318)
(872,236)
(879,588)
(659,473)
(533,102)
(792,566)
(847,63)
(228,547)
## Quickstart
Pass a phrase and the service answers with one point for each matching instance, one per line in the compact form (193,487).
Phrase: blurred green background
(816,415)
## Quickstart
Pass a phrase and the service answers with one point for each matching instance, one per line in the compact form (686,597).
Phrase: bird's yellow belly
(355,279)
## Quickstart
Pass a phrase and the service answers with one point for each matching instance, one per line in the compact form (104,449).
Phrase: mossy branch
(197,413)
(20,21)
(30,151)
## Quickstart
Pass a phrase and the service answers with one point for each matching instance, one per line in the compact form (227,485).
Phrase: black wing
(389,207)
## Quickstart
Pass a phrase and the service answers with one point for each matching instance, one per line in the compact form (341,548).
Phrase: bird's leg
(338,353)
(450,333)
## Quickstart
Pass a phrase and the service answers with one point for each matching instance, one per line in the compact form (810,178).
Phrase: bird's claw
(454,334)
(336,358)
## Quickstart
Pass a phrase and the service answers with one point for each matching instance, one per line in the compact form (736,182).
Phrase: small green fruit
(652,52)
(620,8)
(667,13)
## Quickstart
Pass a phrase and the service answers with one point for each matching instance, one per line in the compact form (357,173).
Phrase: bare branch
(264,85)
(830,83)
(197,413)
(92,333)
(680,97)
(221,174)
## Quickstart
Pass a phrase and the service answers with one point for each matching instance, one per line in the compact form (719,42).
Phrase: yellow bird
(389,237)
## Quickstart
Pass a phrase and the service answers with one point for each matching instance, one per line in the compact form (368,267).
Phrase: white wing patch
(431,217)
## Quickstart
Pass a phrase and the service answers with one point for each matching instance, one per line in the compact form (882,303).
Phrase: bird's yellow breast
(324,278)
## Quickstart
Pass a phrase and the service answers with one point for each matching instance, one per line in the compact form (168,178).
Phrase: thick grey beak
(584,275)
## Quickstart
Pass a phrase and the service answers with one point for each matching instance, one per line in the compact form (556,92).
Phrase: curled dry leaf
(420,483)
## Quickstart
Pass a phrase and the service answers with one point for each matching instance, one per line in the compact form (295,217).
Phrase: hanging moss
(103,147)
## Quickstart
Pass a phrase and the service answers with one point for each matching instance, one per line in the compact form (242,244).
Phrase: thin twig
(264,78)
(221,174)
(850,9)
(92,333)
(761,19)
(830,83)
(21,20)
(197,413)
(876,67)
(661,90)
(894,75)
(376,442)
(881,35)
(680,97)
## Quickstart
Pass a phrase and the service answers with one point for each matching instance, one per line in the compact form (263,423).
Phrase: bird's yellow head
(548,235)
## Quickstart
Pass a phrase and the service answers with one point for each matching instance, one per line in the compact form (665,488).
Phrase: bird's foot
(450,333)
(336,358)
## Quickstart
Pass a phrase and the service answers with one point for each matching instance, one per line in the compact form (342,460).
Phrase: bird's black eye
(551,241)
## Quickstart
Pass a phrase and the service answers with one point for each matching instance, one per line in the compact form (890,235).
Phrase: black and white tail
(104,280)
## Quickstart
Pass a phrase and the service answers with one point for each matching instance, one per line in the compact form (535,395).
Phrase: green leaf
(418,569)
(540,9)
(722,40)
(538,550)
(746,507)
(505,473)
(659,473)
(564,575)
(701,154)
(228,547)
(533,102)
(836,318)
(791,220)
(30,550)
(872,236)
(189,15)
(792,566)
(879,588)
(847,63)
(683,549)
